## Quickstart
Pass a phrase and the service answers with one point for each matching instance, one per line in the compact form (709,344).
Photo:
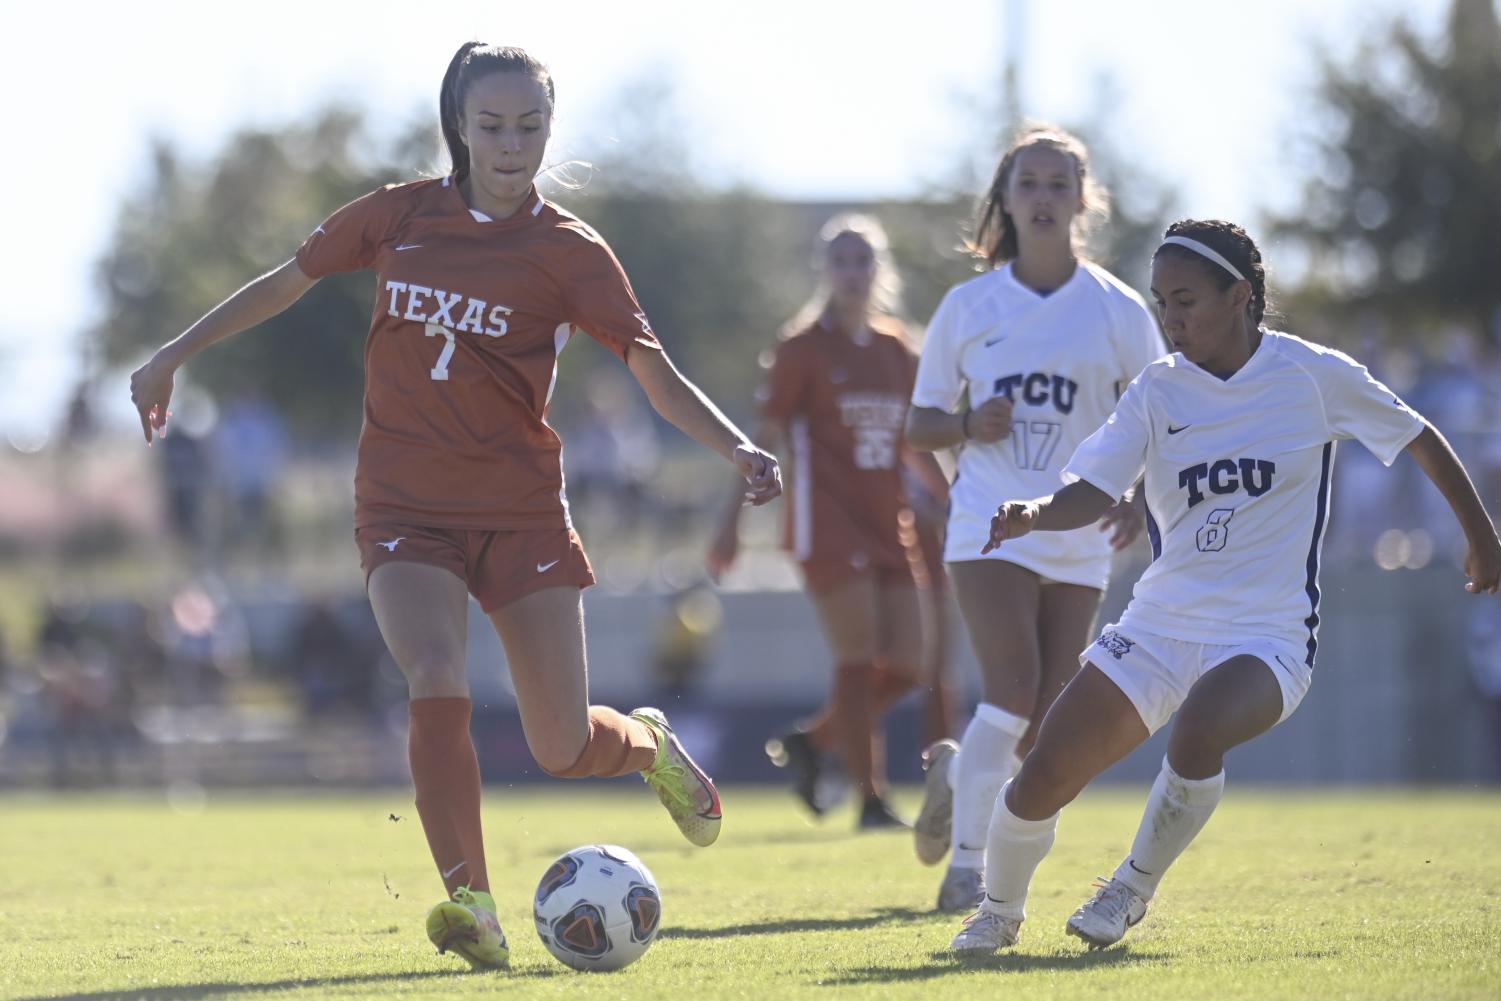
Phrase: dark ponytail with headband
(1241,260)
(473,61)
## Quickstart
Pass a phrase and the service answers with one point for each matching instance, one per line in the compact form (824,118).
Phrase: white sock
(979,770)
(1177,811)
(1016,848)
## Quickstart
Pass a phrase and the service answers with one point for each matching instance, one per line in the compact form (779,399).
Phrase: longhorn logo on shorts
(391,546)
(1116,644)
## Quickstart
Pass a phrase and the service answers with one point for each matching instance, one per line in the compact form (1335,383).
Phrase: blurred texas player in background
(458,483)
(837,394)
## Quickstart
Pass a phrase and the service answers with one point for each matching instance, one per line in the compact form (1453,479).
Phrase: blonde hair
(886,288)
(995,237)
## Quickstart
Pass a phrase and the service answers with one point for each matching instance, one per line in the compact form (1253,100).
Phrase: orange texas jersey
(470,316)
(844,405)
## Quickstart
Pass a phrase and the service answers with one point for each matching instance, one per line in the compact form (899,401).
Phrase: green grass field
(1285,895)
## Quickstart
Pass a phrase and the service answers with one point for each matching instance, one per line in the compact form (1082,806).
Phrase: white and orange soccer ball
(597,908)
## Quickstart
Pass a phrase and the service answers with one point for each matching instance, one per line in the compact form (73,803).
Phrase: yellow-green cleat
(467,926)
(688,794)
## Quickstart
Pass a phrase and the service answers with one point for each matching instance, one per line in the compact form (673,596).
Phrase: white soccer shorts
(1156,672)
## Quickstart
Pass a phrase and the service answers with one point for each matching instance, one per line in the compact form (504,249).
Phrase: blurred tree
(1401,215)
(195,233)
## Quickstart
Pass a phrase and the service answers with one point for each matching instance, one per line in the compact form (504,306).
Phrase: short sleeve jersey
(844,405)
(1062,359)
(470,316)
(1237,483)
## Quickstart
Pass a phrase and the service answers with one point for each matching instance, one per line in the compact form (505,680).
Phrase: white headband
(1204,251)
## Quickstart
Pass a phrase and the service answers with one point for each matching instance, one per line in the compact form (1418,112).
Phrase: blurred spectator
(612,453)
(681,646)
(332,666)
(184,477)
(250,448)
(1484,647)
(79,690)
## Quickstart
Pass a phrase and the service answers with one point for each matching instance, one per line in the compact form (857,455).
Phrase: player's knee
(427,672)
(564,759)
(1043,786)
(1195,751)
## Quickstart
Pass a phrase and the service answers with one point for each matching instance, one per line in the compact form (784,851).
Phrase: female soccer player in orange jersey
(837,394)
(458,484)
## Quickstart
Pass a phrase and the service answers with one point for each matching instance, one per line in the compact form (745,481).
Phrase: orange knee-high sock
(618,745)
(445,771)
(852,724)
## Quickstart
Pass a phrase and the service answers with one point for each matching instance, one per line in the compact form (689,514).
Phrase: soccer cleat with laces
(1103,919)
(688,794)
(935,820)
(467,925)
(984,932)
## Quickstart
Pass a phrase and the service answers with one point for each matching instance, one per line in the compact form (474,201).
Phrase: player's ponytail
(995,234)
(472,61)
(1234,245)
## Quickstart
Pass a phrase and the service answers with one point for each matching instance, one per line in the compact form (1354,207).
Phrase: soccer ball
(597,908)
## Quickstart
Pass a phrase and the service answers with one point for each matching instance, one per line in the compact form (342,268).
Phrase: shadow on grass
(880,916)
(944,963)
(183,992)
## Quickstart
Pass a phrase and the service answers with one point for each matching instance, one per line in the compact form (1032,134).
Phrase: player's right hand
(990,422)
(1483,566)
(151,391)
(1012,520)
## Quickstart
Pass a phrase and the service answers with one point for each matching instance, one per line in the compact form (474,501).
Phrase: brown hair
(1234,245)
(473,61)
(886,289)
(995,235)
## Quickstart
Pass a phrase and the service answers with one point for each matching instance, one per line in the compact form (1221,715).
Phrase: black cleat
(794,750)
(877,815)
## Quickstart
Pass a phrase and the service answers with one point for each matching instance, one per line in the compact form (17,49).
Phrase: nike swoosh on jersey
(994,341)
(1173,430)
(544,567)
(407,246)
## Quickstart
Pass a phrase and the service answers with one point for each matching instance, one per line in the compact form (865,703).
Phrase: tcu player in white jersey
(1043,343)
(1235,433)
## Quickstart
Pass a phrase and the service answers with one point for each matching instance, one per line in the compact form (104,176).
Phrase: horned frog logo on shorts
(1117,645)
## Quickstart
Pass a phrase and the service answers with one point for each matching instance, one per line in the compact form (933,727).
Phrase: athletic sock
(445,772)
(618,745)
(978,771)
(1177,810)
(1015,849)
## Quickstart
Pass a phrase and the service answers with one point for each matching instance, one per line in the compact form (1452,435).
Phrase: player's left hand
(1127,519)
(763,478)
(1483,566)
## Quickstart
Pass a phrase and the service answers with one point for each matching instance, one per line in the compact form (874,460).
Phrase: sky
(801,98)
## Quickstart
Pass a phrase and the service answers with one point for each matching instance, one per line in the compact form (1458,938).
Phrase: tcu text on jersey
(1038,388)
(1226,476)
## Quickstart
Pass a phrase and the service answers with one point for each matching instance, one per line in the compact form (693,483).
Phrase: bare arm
(688,409)
(257,302)
(725,545)
(929,429)
(1074,506)
(928,472)
(1442,466)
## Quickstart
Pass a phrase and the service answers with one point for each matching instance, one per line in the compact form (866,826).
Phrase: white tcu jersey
(1062,359)
(1237,481)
